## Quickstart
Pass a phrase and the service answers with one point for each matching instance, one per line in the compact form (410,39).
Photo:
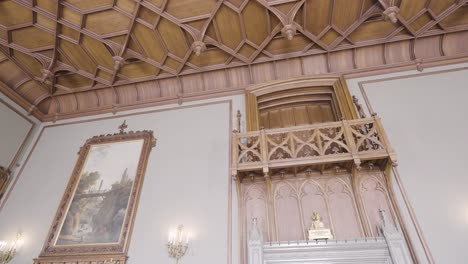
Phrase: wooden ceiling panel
(44,106)
(212,56)
(345,13)
(99,43)
(173,38)
(99,22)
(439,6)
(98,51)
(189,8)
(70,33)
(77,56)
(255,17)
(157,3)
(330,36)
(45,22)
(87,100)
(3,34)
(32,37)
(30,90)
(73,81)
(246,51)
(237,3)
(228,24)
(127,5)
(317,15)
(147,15)
(173,64)
(47,5)
(458,18)
(138,70)
(71,16)
(150,43)
(282,45)
(10,74)
(421,21)
(409,8)
(373,30)
(118,39)
(32,65)
(90,4)
(14,14)
(68,103)
(286,7)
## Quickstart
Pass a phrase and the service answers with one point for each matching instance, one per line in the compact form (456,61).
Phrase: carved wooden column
(270,209)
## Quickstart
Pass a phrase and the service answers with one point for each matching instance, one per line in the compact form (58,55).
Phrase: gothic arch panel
(342,210)
(255,201)
(374,197)
(312,198)
(287,212)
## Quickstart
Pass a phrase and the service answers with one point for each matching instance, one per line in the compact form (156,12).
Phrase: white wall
(187,182)
(425,118)
(13,131)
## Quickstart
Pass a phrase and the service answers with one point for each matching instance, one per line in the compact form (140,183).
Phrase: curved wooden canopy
(61,57)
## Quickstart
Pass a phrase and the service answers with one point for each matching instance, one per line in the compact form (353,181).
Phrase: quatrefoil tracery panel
(366,137)
(249,149)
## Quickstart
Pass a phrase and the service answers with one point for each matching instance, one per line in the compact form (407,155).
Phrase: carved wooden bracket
(198,47)
(289,31)
(118,62)
(391,14)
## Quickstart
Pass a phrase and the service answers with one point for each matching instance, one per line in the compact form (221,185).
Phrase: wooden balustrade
(355,140)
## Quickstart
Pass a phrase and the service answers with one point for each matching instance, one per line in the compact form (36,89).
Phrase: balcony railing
(347,140)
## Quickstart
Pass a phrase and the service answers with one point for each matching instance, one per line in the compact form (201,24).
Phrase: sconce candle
(178,243)
(8,249)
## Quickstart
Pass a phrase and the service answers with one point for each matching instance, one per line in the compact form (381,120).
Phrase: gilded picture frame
(96,213)
(4,180)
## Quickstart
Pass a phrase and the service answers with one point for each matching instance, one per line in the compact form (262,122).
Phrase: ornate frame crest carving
(52,253)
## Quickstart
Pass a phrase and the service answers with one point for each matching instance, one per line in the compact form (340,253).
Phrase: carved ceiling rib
(76,41)
(119,60)
(32,77)
(454,7)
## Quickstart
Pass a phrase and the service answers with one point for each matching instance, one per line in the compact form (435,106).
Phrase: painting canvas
(98,207)
(97,211)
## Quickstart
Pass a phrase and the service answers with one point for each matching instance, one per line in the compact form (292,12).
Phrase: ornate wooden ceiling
(62,56)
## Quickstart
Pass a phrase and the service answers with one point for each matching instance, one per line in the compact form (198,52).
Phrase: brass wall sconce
(8,249)
(178,243)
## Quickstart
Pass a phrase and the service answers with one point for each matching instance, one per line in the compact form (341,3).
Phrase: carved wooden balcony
(347,141)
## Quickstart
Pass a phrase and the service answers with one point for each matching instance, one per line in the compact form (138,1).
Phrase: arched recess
(313,199)
(373,193)
(298,101)
(255,202)
(289,225)
(343,211)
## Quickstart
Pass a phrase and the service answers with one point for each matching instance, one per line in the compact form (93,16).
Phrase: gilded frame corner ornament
(53,253)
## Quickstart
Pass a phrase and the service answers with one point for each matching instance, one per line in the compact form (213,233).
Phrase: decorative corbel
(118,62)
(419,65)
(31,109)
(391,14)
(289,31)
(46,74)
(180,99)
(198,47)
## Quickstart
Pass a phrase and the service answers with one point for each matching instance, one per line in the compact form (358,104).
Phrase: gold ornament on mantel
(317,229)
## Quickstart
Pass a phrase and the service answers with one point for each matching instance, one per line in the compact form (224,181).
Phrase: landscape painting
(100,200)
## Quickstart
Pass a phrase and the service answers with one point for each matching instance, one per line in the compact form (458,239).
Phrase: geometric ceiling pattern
(69,46)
